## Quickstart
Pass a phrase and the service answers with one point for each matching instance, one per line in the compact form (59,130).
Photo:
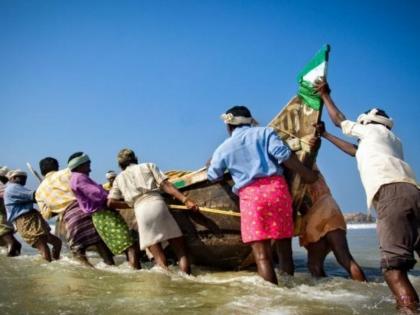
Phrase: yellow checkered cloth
(54,194)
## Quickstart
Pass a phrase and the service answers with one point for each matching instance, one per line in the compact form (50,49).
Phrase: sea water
(31,286)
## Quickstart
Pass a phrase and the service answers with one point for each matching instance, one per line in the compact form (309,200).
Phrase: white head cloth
(15,173)
(373,116)
(238,120)
(4,170)
(110,174)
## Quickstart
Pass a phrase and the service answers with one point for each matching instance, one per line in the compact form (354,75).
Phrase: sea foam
(361,226)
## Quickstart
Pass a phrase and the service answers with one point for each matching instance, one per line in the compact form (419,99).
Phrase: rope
(210,210)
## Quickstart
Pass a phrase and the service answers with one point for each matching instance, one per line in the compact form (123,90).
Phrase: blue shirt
(249,153)
(18,200)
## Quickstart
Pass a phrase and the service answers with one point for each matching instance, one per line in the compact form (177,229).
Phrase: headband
(4,170)
(238,120)
(15,173)
(77,161)
(373,116)
(110,175)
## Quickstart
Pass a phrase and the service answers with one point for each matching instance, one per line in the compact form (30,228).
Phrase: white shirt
(137,181)
(379,156)
(2,188)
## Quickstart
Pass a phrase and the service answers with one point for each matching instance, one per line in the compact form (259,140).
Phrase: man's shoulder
(146,165)
(133,168)
(377,130)
(9,187)
(225,145)
(61,175)
(259,130)
(63,172)
(16,188)
(12,186)
(138,167)
(352,128)
(263,128)
(76,178)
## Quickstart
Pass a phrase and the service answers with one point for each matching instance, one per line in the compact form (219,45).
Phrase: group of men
(390,185)
(87,211)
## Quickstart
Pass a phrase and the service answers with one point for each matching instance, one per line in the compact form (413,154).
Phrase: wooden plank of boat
(187,178)
(295,125)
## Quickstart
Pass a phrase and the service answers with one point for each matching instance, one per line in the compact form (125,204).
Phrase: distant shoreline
(361,226)
(359,218)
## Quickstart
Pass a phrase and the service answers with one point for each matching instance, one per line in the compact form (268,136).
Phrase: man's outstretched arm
(324,92)
(343,145)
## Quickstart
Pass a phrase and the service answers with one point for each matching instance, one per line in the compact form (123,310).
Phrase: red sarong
(266,210)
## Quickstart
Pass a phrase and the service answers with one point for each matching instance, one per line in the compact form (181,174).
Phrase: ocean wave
(359,226)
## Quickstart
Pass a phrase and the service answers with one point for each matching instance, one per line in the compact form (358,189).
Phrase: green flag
(315,69)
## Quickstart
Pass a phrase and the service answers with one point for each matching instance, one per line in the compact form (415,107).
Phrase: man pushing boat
(391,188)
(254,157)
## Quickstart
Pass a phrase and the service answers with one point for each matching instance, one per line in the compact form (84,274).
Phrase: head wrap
(373,116)
(110,174)
(231,119)
(126,155)
(77,161)
(14,173)
(4,170)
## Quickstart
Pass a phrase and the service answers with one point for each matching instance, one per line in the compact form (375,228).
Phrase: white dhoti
(155,223)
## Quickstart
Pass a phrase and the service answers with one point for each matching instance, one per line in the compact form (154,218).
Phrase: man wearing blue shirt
(29,223)
(254,157)
(249,153)
(6,230)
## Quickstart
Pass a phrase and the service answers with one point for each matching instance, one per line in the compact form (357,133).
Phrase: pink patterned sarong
(266,210)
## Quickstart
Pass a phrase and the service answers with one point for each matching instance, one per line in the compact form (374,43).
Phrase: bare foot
(132,253)
(83,259)
(407,305)
(14,250)
(55,252)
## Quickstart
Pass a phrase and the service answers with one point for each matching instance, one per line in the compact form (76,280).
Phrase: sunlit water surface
(31,286)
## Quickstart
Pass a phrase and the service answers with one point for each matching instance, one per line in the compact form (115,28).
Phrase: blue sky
(97,76)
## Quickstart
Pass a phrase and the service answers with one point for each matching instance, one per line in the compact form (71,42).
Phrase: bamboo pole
(35,173)
(209,210)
